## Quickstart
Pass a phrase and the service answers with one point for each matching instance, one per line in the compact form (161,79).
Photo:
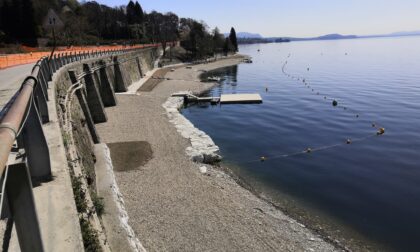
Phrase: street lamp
(52,23)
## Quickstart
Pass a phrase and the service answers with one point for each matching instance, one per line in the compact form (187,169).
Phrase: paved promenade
(10,81)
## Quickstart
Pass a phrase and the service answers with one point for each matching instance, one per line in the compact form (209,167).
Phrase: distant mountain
(249,38)
(334,36)
(405,33)
(246,35)
(394,34)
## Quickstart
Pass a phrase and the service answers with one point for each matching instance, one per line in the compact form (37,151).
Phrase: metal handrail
(12,121)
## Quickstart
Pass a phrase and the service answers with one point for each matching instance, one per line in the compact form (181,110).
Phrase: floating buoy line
(335,103)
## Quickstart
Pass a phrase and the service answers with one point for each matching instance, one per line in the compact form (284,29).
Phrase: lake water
(369,189)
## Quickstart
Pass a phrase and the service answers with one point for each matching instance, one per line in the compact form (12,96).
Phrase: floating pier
(240,98)
(223,99)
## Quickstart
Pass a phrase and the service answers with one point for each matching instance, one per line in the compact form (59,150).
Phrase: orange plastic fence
(10,60)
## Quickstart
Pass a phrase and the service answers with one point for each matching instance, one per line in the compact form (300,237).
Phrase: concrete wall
(129,67)
(88,104)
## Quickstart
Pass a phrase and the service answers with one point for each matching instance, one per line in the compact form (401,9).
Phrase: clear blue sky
(298,18)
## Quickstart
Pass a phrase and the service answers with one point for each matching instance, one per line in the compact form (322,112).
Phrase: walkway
(10,81)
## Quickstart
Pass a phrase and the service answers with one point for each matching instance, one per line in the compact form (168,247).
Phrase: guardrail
(24,154)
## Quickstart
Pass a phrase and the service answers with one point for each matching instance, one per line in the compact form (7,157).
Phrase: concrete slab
(240,98)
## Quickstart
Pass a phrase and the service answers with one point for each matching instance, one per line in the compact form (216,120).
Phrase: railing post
(46,70)
(22,207)
(54,63)
(60,60)
(51,64)
(41,102)
(36,146)
(44,83)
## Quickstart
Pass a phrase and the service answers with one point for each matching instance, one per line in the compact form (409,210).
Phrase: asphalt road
(10,81)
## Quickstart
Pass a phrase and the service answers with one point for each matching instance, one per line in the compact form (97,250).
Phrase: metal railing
(24,154)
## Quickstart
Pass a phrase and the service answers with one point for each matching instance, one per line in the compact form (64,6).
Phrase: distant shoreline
(331,37)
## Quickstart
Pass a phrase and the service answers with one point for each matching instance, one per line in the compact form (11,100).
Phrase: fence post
(41,102)
(60,60)
(42,80)
(54,63)
(36,146)
(22,207)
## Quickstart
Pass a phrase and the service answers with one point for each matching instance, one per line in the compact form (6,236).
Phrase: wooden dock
(224,99)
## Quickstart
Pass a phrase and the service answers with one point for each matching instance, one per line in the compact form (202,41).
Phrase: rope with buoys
(348,141)
(334,101)
(311,150)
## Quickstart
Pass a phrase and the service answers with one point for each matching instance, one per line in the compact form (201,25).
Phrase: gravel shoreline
(174,204)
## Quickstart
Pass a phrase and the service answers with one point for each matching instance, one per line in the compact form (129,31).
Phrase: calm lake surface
(370,188)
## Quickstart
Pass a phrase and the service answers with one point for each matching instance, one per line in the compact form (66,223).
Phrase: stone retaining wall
(89,102)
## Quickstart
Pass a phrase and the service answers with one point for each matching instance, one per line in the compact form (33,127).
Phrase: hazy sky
(298,18)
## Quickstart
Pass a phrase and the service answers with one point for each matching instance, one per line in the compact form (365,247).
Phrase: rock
(202,149)
(203,169)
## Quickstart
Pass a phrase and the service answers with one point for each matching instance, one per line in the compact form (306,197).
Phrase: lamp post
(52,23)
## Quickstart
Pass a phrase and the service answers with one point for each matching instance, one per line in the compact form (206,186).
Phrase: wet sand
(171,204)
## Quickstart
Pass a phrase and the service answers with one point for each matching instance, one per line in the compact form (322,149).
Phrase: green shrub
(99,204)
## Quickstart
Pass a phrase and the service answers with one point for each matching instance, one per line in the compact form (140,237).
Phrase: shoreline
(330,229)
(173,108)
(173,203)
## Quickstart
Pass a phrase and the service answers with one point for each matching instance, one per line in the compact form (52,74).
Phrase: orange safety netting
(33,56)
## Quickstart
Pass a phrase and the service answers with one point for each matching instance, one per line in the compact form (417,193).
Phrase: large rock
(202,149)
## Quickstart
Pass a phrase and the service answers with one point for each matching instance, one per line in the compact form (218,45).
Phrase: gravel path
(172,205)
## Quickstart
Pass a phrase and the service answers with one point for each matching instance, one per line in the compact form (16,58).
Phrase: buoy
(309,150)
(308,68)
(266,89)
(325,97)
(381,131)
(348,141)
(334,103)
(373,125)
(262,159)
(357,116)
